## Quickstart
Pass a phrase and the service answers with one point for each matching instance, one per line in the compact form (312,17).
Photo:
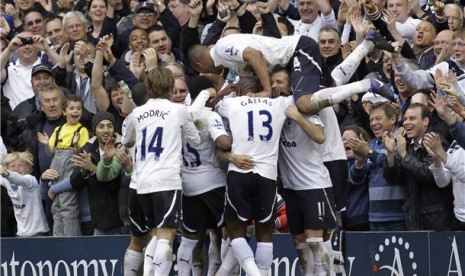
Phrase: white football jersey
(132,151)
(333,148)
(228,51)
(201,171)
(157,127)
(300,158)
(256,127)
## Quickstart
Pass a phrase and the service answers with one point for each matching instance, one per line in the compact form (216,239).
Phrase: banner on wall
(366,253)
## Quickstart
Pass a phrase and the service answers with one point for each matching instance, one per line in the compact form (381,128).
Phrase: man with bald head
(443,41)
(423,38)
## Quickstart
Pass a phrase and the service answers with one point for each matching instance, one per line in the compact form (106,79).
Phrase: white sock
(198,256)
(214,256)
(224,247)
(305,259)
(132,262)
(236,270)
(333,95)
(264,257)
(244,255)
(329,249)
(184,256)
(197,270)
(320,255)
(163,258)
(148,256)
(344,71)
(228,263)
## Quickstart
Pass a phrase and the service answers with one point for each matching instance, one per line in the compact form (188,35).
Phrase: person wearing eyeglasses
(443,41)
(424,79)
(75,26)
(23,7)
(454,16)
(34,22)
(145,15)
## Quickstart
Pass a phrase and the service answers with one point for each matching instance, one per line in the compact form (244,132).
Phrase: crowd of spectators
(403,158)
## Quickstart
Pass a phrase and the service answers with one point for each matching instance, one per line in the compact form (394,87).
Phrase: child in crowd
(24,192)
(65,140)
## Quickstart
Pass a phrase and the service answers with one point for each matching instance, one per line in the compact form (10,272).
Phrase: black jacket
(427,207)
(22,128)
(103,196)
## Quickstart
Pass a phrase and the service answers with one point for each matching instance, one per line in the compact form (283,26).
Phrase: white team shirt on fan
(313,29)
(27,204)
(157,127)
(18,86)
(256,127)
(228,51)
(201,171)
(300,159)
(333,148)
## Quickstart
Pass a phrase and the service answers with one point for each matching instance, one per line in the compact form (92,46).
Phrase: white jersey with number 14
(157,127)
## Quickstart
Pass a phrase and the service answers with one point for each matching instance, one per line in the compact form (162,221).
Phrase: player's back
(201,171)
(256,126)
(157,127)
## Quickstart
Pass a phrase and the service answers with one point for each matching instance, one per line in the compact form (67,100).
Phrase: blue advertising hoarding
(366,253)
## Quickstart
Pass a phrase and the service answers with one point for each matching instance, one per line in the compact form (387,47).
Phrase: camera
(26,40)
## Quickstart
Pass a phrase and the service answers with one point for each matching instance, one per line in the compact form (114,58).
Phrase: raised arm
(258,63)
(15,43)
(102,101)
(313,131)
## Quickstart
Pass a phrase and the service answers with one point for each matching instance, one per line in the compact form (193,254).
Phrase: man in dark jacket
(427,207)
(27,118)
(103,196)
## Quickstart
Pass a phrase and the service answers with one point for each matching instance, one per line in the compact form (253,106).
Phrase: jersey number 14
(153,146)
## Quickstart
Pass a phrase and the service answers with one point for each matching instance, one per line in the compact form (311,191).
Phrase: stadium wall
(365,253)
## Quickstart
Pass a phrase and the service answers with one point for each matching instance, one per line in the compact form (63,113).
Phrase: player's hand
(292,112)
(242,161)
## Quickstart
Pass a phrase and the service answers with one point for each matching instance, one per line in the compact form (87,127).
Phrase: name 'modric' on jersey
(153,113)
